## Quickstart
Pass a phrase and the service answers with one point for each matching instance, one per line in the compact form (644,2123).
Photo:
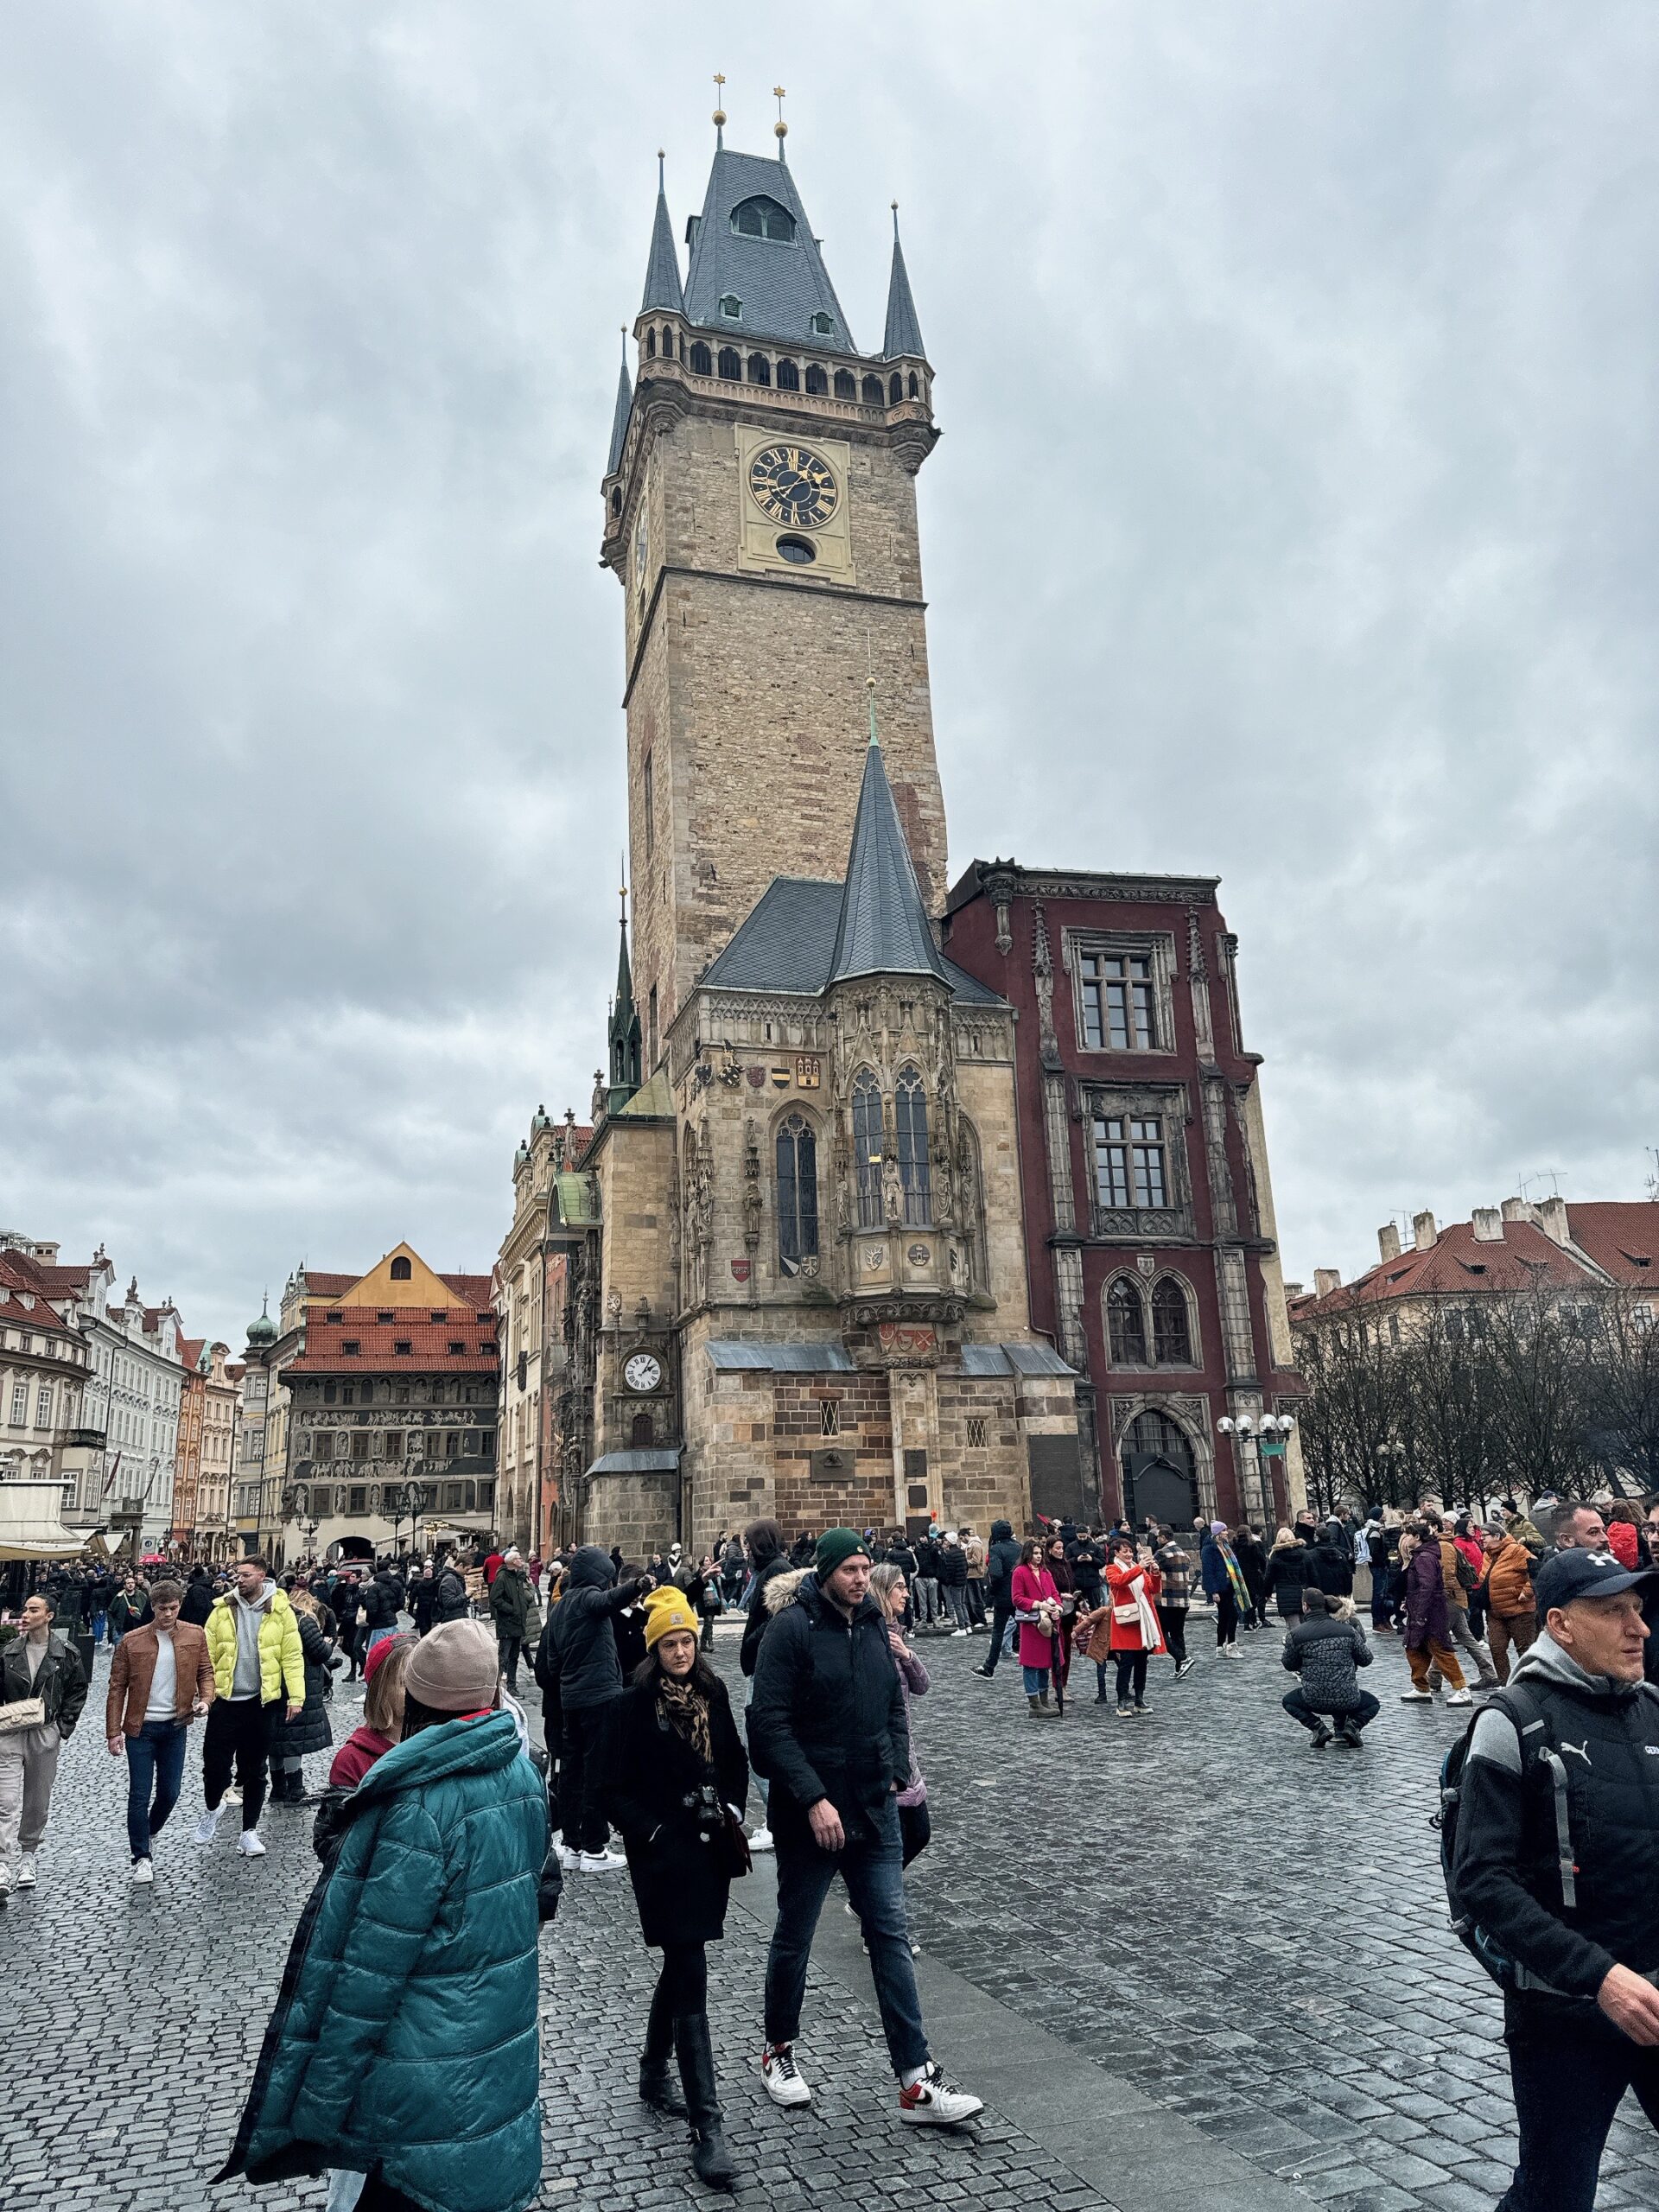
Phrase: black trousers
(237,1735)
(975,1593)
(1001,1614)
(509,1648)
(1569,2066)
(1172,1620)
(1131,1676)
(585,1827)
(350,1637)
(1226,1616)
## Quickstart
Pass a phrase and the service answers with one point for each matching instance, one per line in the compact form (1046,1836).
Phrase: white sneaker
(784,2083)
(599,1862)
(249,1844)
(1416,1697)
(232,1795)
(142,1872)
(207,1827)
(761,1840)
(1460,1697)
(932,2102)
(5,1881)
(26,1872)
(958,1632)
(569,1859)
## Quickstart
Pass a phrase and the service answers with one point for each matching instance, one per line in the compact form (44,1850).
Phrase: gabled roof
(1458,1264)
(38,1316)
(471,1290)
(663,267)
(904,331)
(428,1342)
(619,420)
(782,284)
(1622,1237)
(787,945)
(883,927)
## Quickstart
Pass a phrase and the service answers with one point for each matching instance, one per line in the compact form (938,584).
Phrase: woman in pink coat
(1132,1588)
(1037,1609)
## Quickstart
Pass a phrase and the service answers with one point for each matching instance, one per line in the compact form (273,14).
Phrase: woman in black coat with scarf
(674,1779)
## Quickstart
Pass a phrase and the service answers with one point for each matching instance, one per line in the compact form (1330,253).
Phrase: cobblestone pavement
(1249,1934)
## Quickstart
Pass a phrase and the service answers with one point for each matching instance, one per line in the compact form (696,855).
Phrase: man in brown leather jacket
(161,1678)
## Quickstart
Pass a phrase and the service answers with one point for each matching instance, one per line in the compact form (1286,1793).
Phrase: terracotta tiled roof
(1458,1264)
(428,1342)
(321,1285)
(191,1349)
(1620,1237)
(38,1316)
(475,1289)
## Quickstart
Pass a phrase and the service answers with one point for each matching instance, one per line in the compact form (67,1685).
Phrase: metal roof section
(883,926)
(663,268)
(578,1198)
(779,284)
(1012,1359)
(737,1356)
(786,945)
(664,1459)
(619,419)
(904,331)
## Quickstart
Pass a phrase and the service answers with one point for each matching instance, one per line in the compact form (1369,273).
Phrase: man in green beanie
(827,1728)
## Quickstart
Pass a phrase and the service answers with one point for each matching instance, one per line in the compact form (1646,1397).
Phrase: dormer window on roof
(824,326)
(763,219)
(731,306)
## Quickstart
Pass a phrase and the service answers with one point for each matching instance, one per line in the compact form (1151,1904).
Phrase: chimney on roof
(1292,1290)
(1551,1217)
(1488,1225)
(1387,1240)
(1516,1210)
(1326,1280)
(1423,1231)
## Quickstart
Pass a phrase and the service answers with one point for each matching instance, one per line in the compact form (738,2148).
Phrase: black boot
(657,2087)
(711,2160)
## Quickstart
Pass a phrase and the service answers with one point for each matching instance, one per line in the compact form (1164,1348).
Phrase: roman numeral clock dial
(794,486)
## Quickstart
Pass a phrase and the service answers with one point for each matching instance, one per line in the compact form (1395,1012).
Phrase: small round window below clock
(801,550)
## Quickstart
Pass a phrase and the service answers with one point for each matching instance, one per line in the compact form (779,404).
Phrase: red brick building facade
(1151,1246)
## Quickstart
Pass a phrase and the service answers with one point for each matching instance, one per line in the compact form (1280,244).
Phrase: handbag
(22,1713)
(734,1847)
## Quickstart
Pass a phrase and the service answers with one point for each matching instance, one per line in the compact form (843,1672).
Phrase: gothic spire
(904,334)
(625,1033)
(883,930)
(624,408)
(662,268)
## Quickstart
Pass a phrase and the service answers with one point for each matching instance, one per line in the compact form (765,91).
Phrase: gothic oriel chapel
(794,1254)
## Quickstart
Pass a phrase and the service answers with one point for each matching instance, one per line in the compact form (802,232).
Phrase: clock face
(792,486)
(643,1372)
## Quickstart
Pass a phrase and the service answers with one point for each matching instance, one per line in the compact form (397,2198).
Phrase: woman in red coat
(1037,1609)
(1132,1586)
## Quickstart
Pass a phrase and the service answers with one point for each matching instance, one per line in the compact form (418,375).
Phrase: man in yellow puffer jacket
(254,1641)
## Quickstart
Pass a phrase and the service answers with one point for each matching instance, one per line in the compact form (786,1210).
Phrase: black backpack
(1538,1754)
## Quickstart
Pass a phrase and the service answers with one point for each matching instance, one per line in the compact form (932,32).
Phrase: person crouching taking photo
(674,1777)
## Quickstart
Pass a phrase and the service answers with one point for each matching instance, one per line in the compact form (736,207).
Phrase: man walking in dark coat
(1000,1563)
(577,1657)
(827,1727)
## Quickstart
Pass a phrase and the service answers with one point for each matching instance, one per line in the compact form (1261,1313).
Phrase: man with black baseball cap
(1567,1886)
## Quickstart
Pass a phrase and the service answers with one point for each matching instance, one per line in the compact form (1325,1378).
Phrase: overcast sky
(1294,520)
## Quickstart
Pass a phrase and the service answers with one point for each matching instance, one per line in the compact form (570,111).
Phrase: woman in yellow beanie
(675,1782)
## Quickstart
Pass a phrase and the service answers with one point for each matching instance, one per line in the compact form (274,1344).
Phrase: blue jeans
(100,1621)
(1036,1681)
(379,1636)
(872,1867)
(154,1764)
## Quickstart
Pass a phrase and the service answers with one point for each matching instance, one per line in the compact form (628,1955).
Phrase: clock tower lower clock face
(794,505)
(643,1372)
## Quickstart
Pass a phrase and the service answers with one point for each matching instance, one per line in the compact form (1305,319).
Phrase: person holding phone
(161,1680)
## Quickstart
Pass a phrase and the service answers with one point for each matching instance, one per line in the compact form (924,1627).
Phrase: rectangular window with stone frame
(1140,1187)
(1121,985)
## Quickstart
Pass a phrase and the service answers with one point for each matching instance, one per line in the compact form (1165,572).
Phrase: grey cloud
(1294,520)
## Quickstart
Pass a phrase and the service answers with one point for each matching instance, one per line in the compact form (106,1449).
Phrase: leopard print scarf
(686,1710)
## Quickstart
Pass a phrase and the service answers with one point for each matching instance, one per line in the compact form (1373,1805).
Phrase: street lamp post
(1255,1441)
(1387,1455)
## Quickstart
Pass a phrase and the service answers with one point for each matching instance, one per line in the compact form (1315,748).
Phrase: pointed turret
(625,1033)
(662,268)
(903,333)
(883,930)
(756,270)
(624,408)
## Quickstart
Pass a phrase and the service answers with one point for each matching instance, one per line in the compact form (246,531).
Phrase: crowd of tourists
(445,1831)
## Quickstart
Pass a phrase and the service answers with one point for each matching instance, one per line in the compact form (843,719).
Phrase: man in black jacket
(1327,1654)
(763,1544)
(576,1656)
(999,1562)
(1582,2018)
(383,1601)
(826,1727)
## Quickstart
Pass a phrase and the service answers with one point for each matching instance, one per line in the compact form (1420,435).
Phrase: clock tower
(761,516)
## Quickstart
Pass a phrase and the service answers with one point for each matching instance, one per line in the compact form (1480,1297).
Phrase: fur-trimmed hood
(783,1589)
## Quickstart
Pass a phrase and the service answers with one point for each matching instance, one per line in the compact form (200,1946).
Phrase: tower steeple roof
(663,268)
(771,268)
(883,930)
(623,409)
(904,331)
(625,1031)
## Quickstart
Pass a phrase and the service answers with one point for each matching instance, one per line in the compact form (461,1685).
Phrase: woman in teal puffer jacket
(404,2044)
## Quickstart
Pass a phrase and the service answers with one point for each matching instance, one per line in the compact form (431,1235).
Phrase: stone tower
(760,517)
